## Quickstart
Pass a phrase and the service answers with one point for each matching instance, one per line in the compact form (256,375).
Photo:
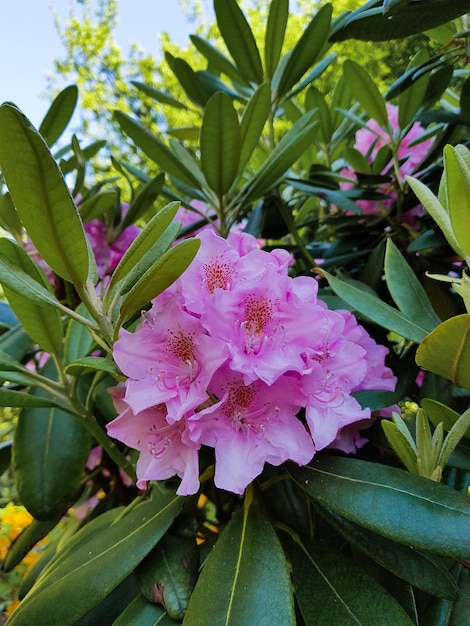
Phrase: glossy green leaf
(406,290)
(275,32)
(220,143)
(438,412)
(168,574)
(366,92)
(155,149)
(159,96)
(59,115)
(49,454)
(375,309)
(159,276)
(217,61)
(286,152)
(26,540)
(239,40)
(43,324)
(143,613)
(245,578)
(410,100)
(194,88)
(412,510)
(457,173)
(376,399)
(41,197)
(94,207)
(420,569)
(330,589)
(305,52)
(446,351)
(252,123)
(66,591)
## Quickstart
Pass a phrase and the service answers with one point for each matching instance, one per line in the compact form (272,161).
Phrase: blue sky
(29,42)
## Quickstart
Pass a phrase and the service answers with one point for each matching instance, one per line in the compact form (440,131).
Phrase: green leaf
(59,115)
(41,197)
(15,343)
(455,434)
(400,444)
(12,398)
(142,612)
(9,218)
(366,92)
(159,276)
(305,52)
(217,61)
(375,309)
(220,144)
(286,152)
(439,412)
(252,123)
(446,351)
(275,32)
(330,589)
(316,100)
(245,578)
(406,290)
(143,200)
(412,510)
(457,186)
(5,456)
(43,324)
(155,149)
(169,573)
(411,99)
(196,91)
(239,40)
(78,340)
(159,96)
(420,569)
(91,364)
(376,399)
(68,589)
(49,454)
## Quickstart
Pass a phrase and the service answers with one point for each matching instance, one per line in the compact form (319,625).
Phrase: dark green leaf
(49,454)
(418,568)
(26,540)
(188,80)
(41,197)
(245,578)
(375,309)
(406,290)
(305,52)
(159,276)
(141,612)
(220,144)
(78,340)
(5,456)
(275,31)
(371,24)
(330,590)
(12,398)
(239,40)
(410,100)
(59,115)
(170,572)
(376,399)
(98,204)
(143,200)
(91,364)
(217,61)
(15,343)
(68,589)
(111,606)
(446,351)
(412,510)
(155,149)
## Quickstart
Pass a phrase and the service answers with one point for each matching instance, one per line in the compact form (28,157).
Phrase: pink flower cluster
(227,357)
(373,137)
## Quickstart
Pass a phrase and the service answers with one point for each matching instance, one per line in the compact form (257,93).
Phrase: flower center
(218,275)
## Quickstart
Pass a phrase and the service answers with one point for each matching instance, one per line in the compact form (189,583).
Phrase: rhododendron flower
(228,356)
